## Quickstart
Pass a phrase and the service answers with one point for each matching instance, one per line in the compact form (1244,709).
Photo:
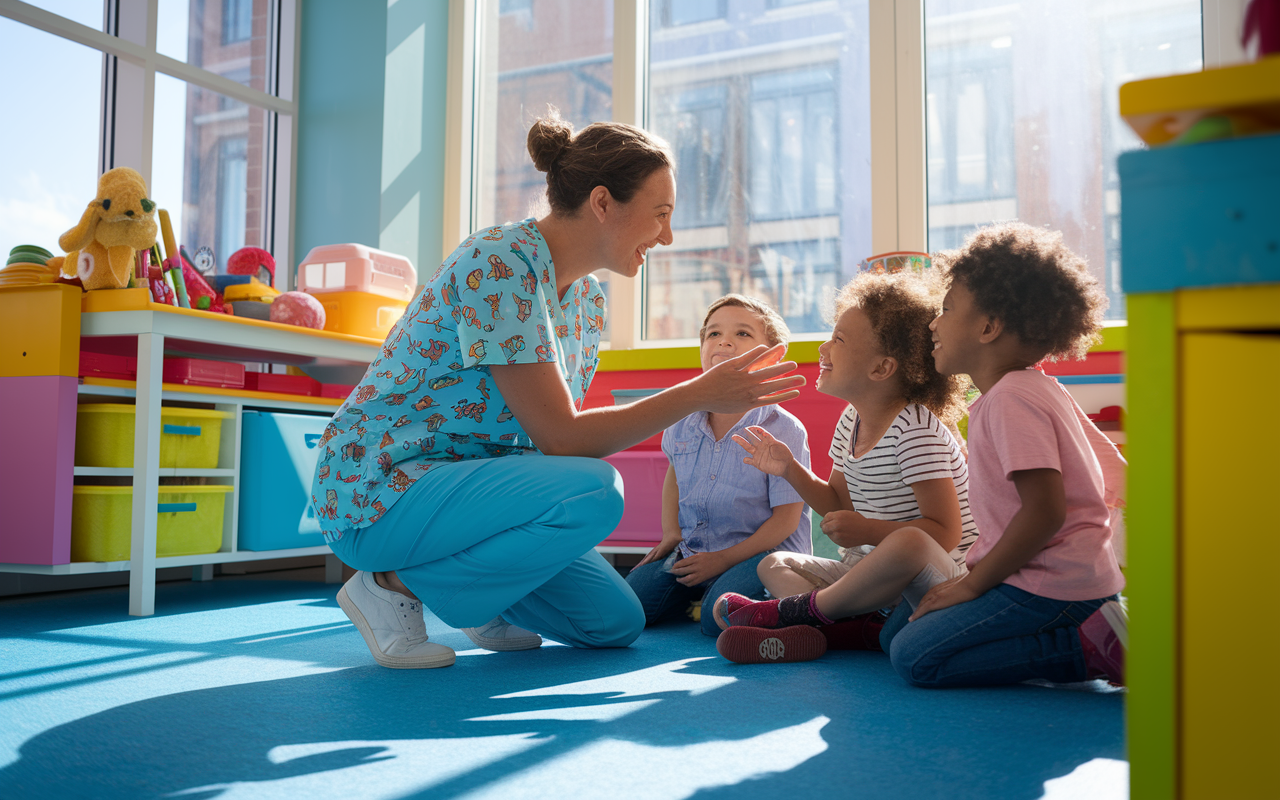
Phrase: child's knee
(771,563)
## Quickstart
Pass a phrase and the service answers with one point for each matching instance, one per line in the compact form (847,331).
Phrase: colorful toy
(889,263)
(119,222)
(298,308)
(252,261)
(199,293)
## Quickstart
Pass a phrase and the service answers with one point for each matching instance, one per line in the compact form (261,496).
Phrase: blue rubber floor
(263,689)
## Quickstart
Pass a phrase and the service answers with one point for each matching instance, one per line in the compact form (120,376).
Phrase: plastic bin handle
(183,430)
(166,508)
(311,440)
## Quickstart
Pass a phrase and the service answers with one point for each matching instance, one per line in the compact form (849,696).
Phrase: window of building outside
(768,114)
(550,52)
(1022,113)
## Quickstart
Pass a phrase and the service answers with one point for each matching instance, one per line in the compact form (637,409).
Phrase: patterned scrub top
(429,398)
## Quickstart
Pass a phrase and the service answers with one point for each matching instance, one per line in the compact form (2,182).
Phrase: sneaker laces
(415,627)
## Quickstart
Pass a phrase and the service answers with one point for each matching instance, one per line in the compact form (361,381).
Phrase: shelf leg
(146,475)
(202,572)
(332,569)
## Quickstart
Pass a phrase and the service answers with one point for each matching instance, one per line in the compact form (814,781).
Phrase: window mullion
(630,69)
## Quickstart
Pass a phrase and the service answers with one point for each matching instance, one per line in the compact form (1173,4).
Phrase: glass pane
(768,114)
(1022,105)
(86,12)
(44,192)
(208,169)
(229,37)
(557,52)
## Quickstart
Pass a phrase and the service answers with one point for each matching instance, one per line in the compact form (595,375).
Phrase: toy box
(190,521)
(361,313)
(189,437)
(202,372)
(278,460)
(356,268)
(282,384)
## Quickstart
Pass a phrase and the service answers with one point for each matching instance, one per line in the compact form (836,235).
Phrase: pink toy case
(356,268)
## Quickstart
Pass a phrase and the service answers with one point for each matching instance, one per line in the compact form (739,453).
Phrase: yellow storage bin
(189,437)
(190,521)
(360,313)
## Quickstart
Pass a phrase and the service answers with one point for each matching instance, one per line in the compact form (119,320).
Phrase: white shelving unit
(160,333)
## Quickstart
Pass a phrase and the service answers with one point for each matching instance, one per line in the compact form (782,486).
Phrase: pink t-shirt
(1028,421)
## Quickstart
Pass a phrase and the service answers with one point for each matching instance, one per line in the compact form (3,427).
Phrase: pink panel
(38,431)
(642,473)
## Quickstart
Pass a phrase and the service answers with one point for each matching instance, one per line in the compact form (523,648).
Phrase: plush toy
(120,221)
(251,261)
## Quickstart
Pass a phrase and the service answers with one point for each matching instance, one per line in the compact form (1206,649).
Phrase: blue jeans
(662,596)
(1005,636)
(513,536)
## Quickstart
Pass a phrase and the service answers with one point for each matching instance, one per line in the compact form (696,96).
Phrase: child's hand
(948,593)
(661,550)
(764,452)
(842,527)
(700,567)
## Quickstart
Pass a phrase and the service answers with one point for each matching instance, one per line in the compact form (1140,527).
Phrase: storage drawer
(190,521)
(278,456)
(643,472)
(189,437)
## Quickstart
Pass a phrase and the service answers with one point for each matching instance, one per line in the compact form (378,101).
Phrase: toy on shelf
(363,290)
(27,266)
(199,293)
(119,222)
(889,263)
(252,261)
(298,308)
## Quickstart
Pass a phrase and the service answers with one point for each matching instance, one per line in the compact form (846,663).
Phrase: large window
(1022,113)
(768,113)
(218,143)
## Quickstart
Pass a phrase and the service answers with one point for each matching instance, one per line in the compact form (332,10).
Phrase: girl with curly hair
(897,497)
(1039,599)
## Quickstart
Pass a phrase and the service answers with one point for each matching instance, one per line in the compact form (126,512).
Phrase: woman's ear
(601,202)
(81,234)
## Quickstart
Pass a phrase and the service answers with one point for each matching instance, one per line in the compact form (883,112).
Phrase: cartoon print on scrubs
(429,398)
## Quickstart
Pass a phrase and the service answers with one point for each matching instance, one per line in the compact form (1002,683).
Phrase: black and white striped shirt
(917,447)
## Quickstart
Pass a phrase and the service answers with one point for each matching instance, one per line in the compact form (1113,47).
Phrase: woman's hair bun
(548,137)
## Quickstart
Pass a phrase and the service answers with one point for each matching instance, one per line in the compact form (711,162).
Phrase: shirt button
(713,477)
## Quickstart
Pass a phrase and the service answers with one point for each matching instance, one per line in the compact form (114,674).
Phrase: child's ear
(991,330)
(884,369)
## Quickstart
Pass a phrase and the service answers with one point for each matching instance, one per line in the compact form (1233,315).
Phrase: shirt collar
(756,416)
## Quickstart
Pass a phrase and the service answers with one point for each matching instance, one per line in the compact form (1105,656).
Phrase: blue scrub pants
(511,536)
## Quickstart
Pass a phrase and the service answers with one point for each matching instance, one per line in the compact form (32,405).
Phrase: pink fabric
(1028,421)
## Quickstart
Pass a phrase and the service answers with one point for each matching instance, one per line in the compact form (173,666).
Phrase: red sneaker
(1105,637)
(854,633)
(727,604)
(745,645)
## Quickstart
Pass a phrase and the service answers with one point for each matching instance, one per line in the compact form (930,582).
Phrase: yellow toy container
(360,313)
(190,521)
(189,437)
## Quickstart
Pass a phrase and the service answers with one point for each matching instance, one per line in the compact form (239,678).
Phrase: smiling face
(731,331)
(846,360)
(956,332)
(643,223)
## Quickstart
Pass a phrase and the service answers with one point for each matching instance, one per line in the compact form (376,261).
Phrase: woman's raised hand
(755,378)
(764,452)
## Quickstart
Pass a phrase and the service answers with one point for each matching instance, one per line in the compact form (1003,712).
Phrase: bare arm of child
(671,535)
(700,567)
(772,457)
(1044,509)
(939,517)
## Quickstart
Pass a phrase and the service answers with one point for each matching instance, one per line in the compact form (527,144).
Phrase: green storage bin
(189,437)
(190,521)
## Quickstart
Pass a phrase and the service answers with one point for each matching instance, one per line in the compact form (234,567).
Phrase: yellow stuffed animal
(117,224)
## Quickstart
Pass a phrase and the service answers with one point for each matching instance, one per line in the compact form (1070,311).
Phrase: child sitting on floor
(719,517)
(897,496)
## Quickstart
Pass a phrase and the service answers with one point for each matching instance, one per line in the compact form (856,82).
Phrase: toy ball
(298,308)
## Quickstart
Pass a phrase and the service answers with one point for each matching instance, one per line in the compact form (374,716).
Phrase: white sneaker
(391,624)
(498,634)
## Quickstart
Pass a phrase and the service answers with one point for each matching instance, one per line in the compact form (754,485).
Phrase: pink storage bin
(356,268)
(201,372)
(341,391)
(282,384)
(642,474)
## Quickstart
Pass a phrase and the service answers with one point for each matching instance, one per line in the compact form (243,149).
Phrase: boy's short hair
(775,327)
(900,307)
(1031,281)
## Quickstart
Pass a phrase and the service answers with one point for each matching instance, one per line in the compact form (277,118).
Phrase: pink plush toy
(298,308)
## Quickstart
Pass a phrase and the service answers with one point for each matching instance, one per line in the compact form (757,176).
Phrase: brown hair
(1031,281)
(775,327)
(900,307)
(610,154)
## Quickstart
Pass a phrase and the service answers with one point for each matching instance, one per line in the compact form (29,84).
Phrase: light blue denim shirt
(722,500)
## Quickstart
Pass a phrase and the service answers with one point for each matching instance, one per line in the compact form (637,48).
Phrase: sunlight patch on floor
(1099,779)
(668,677)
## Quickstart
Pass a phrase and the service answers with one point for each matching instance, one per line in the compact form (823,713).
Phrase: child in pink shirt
(1039,599)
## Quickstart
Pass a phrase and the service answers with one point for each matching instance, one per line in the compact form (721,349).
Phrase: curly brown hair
(775,327)
(1027,278)
(900,307)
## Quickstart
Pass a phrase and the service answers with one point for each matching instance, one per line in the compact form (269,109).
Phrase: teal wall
(371,126)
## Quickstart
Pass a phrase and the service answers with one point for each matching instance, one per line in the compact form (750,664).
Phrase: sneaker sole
(1116,617)
(392,662)
(503,645)
(744,645)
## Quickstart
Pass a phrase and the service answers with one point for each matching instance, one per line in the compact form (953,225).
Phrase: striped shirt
(917,447)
